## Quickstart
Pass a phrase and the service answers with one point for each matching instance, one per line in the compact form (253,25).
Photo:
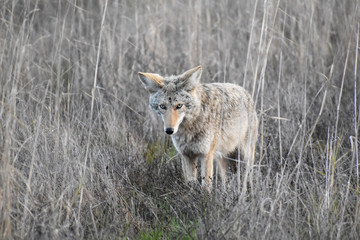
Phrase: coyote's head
(174,97)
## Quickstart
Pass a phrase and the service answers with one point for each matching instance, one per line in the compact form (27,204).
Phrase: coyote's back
(205,121)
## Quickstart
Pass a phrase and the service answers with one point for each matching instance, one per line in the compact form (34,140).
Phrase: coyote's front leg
(207,166)
(189,169)
(222,166)
(207,171)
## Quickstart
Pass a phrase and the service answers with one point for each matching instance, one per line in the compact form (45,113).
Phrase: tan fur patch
(155,77)
(174,118)
(191,71)
(193,92)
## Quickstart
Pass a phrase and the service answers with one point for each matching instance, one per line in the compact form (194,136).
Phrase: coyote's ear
(191,78)
(151,81)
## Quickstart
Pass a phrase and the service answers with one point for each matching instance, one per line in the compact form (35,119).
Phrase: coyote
(206,121)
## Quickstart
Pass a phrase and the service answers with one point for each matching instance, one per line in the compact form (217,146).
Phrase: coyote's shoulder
(204,119)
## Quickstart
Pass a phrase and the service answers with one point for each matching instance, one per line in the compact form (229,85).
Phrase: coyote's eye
(179,106)
(162,106)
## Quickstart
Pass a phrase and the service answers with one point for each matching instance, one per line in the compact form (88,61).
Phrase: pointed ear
(191,78)
(152,82)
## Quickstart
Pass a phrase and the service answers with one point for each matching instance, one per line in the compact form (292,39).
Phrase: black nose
(169,130)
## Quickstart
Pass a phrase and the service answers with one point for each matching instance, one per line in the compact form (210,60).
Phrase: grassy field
(83,157)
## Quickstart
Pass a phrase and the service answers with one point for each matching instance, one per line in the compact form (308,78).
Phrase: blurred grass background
(83,157)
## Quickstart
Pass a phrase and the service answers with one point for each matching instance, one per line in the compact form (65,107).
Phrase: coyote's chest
(191,144)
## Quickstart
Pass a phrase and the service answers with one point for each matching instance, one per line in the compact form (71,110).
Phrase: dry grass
(83,157)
